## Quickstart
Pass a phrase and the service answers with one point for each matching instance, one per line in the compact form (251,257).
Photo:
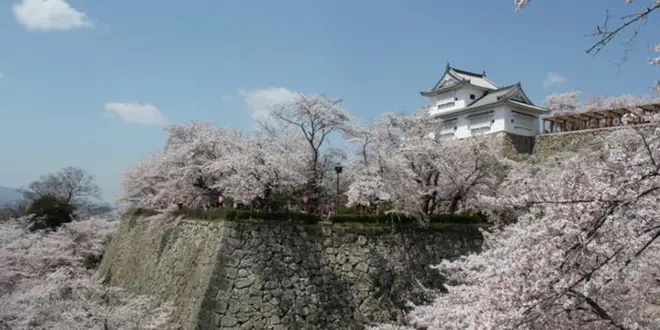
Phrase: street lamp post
(338,169)
(306,202)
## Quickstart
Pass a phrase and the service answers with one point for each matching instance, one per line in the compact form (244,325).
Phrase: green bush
(235,215)
(471,229)
(216,213)
(381,218)
(141,212)
(345,215)
(50,212)
(397,218)
(355,210)
(447,218)
(345,210)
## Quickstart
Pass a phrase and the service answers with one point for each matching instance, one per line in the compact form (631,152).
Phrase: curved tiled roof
(453,78)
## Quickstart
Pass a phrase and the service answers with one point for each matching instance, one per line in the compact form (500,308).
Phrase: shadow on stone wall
(171,260)
(548,145)
(321,277)
(245,275)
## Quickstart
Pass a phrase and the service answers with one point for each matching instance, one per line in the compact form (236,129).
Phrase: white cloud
(262,101)
(227,98)
(48,15)
(138,113)
(553,79)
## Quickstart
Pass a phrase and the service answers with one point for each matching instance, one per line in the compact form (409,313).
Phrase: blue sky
(65,68)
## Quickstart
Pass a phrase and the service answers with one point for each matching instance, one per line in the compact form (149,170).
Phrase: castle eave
(467,110)
(445,89)
(528,107)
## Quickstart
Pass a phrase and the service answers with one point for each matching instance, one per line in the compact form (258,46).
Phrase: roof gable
(476,79)
(520,96)
(512,94)
(447,79)
(453,77)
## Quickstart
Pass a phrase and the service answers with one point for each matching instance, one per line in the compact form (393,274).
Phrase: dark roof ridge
(510,90)
(513,89)
(518,84)
(480,75)
(477,100)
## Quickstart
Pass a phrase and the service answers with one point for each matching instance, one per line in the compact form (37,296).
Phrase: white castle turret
(470,104)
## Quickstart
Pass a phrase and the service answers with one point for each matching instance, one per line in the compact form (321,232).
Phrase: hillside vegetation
(47,281)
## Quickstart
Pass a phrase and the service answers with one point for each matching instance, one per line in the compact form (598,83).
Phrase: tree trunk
(454,203)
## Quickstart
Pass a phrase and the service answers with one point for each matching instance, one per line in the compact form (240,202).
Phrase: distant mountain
(9,195)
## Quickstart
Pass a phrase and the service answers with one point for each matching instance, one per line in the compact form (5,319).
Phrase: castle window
(480,124)
(447,126)
(524,122)
(445,105)
(472,97)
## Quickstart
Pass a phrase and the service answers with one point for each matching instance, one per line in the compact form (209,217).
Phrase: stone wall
(550,144)
(248,275)
(509,145)
(164,258)
(516,146)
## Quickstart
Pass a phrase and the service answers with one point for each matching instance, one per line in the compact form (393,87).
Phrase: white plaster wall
(500,116)
(501,120)
(460,99)
(498,120)
(517,127)
(443,99)
(463,129)
(463,95)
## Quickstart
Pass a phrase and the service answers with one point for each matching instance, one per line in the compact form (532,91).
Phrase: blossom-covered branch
(577,251)
(401,161)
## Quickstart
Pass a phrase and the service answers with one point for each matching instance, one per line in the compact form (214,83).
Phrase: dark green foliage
(399,218)
(366,210)
(238,215)
(344,210)
(216,213)
(372,228)
(469,229)
(445,218)
(383,218)
(464,224)
(141,212)
(267,216)
(50,212)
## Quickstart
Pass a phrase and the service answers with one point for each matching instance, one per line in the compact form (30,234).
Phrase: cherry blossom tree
(40,289)
(579,252)
(143,185)
(399,160)
(374,170)
(316,118)
(563,103)
(369,167)
(179,173)
(261,168)
(569,103)
(201,161)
